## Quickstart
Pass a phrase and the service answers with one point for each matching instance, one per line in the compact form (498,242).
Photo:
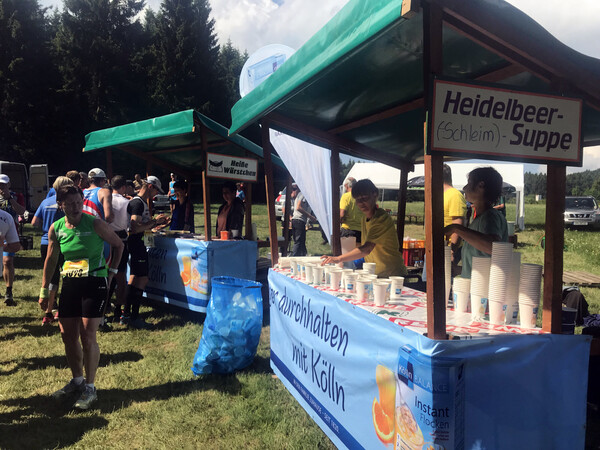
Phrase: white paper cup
(362,289)
(350,282)
(308,273)
(284,262)
(335,278)
(461,301)
(318,275)
(370,267)
(380,292)
(478,306)
(511,314)
(497,312)
(528,314)
(397,283)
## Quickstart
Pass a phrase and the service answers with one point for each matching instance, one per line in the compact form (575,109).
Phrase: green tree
(95,44)
(26,81)
(185,73)
(231,62)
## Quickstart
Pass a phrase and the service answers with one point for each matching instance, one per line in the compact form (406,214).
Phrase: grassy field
(148,397)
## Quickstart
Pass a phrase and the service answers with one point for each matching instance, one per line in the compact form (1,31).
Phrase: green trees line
(93,64)
(581,183)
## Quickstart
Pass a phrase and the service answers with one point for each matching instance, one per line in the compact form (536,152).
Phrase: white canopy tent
(386,177)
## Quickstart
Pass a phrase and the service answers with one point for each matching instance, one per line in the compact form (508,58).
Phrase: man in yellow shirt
(350,215)
(455,211)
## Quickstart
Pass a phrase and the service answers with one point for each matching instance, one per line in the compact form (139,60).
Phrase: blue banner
(180,270)
(369,383)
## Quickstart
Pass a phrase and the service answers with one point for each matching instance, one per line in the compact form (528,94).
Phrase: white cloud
(251,24)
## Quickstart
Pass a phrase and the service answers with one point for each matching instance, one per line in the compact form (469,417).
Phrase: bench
(417,218)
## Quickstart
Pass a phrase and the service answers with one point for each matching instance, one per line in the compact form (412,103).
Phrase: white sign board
(495,123)
(231,167)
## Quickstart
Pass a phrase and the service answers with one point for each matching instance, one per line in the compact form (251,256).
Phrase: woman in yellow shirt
(379,238)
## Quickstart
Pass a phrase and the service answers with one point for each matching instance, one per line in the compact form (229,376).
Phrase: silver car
(581,212)
(280,203)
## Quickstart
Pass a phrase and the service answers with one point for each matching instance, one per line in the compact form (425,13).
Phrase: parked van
(33,185)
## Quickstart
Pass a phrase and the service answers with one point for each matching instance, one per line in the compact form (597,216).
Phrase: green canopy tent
(362,84)
(177,142)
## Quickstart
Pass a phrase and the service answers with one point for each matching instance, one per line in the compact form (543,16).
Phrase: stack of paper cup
(499,274)
(480,283)
(370,267)
(447,272)
(512,293)
(344,273)
(529,294)
(461,290)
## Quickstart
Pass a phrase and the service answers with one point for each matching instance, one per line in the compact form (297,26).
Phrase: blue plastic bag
(232,326)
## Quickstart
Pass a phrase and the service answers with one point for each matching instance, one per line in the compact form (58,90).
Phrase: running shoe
(140,324)
(48,319)
(88,397)
(9,301)
(70,388)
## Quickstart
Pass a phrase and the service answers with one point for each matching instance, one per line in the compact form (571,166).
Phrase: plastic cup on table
(461,301)
(362,289)
(224,235)
(380,292)
(497,312)
(370,267)
(397,283)
(528,314)
(335,277)
(318,271)
(308,269)
(478,306)
(350,282)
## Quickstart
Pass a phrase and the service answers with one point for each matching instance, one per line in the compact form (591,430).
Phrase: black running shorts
(138,257)
(83,297)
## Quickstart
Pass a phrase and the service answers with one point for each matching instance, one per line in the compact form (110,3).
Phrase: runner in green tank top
(80,238)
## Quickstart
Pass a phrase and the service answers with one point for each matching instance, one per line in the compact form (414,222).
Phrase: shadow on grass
(60,361)
(6,321)
(62,432)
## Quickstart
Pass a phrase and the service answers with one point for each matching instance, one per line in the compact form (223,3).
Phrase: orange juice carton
(430,402)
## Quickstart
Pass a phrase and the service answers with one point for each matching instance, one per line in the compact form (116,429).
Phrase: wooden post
(248,218)
(266,142)
(206,201)
(109,164)
(205,187)
(402,196)
(336,245)
(434,193)
(553,253)
(287,207)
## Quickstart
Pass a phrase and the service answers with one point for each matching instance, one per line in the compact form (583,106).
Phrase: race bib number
(76,269)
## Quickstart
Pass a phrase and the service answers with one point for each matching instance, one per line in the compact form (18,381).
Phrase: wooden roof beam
(324,138)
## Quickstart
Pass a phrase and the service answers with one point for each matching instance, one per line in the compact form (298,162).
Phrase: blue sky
(252,24)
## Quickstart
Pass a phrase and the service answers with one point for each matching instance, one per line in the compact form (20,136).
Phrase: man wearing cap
(350,215)
(97,199)
(10,205)
(138,264)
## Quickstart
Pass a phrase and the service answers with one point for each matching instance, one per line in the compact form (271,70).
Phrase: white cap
(155,182)
(96,173)
(4,179)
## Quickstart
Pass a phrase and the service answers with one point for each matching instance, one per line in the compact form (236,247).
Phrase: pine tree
(185,50)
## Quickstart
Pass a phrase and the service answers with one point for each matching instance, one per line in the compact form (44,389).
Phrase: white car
(280,203)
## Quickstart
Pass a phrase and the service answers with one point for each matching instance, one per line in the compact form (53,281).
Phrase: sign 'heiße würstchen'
(231,167)
(496,123)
